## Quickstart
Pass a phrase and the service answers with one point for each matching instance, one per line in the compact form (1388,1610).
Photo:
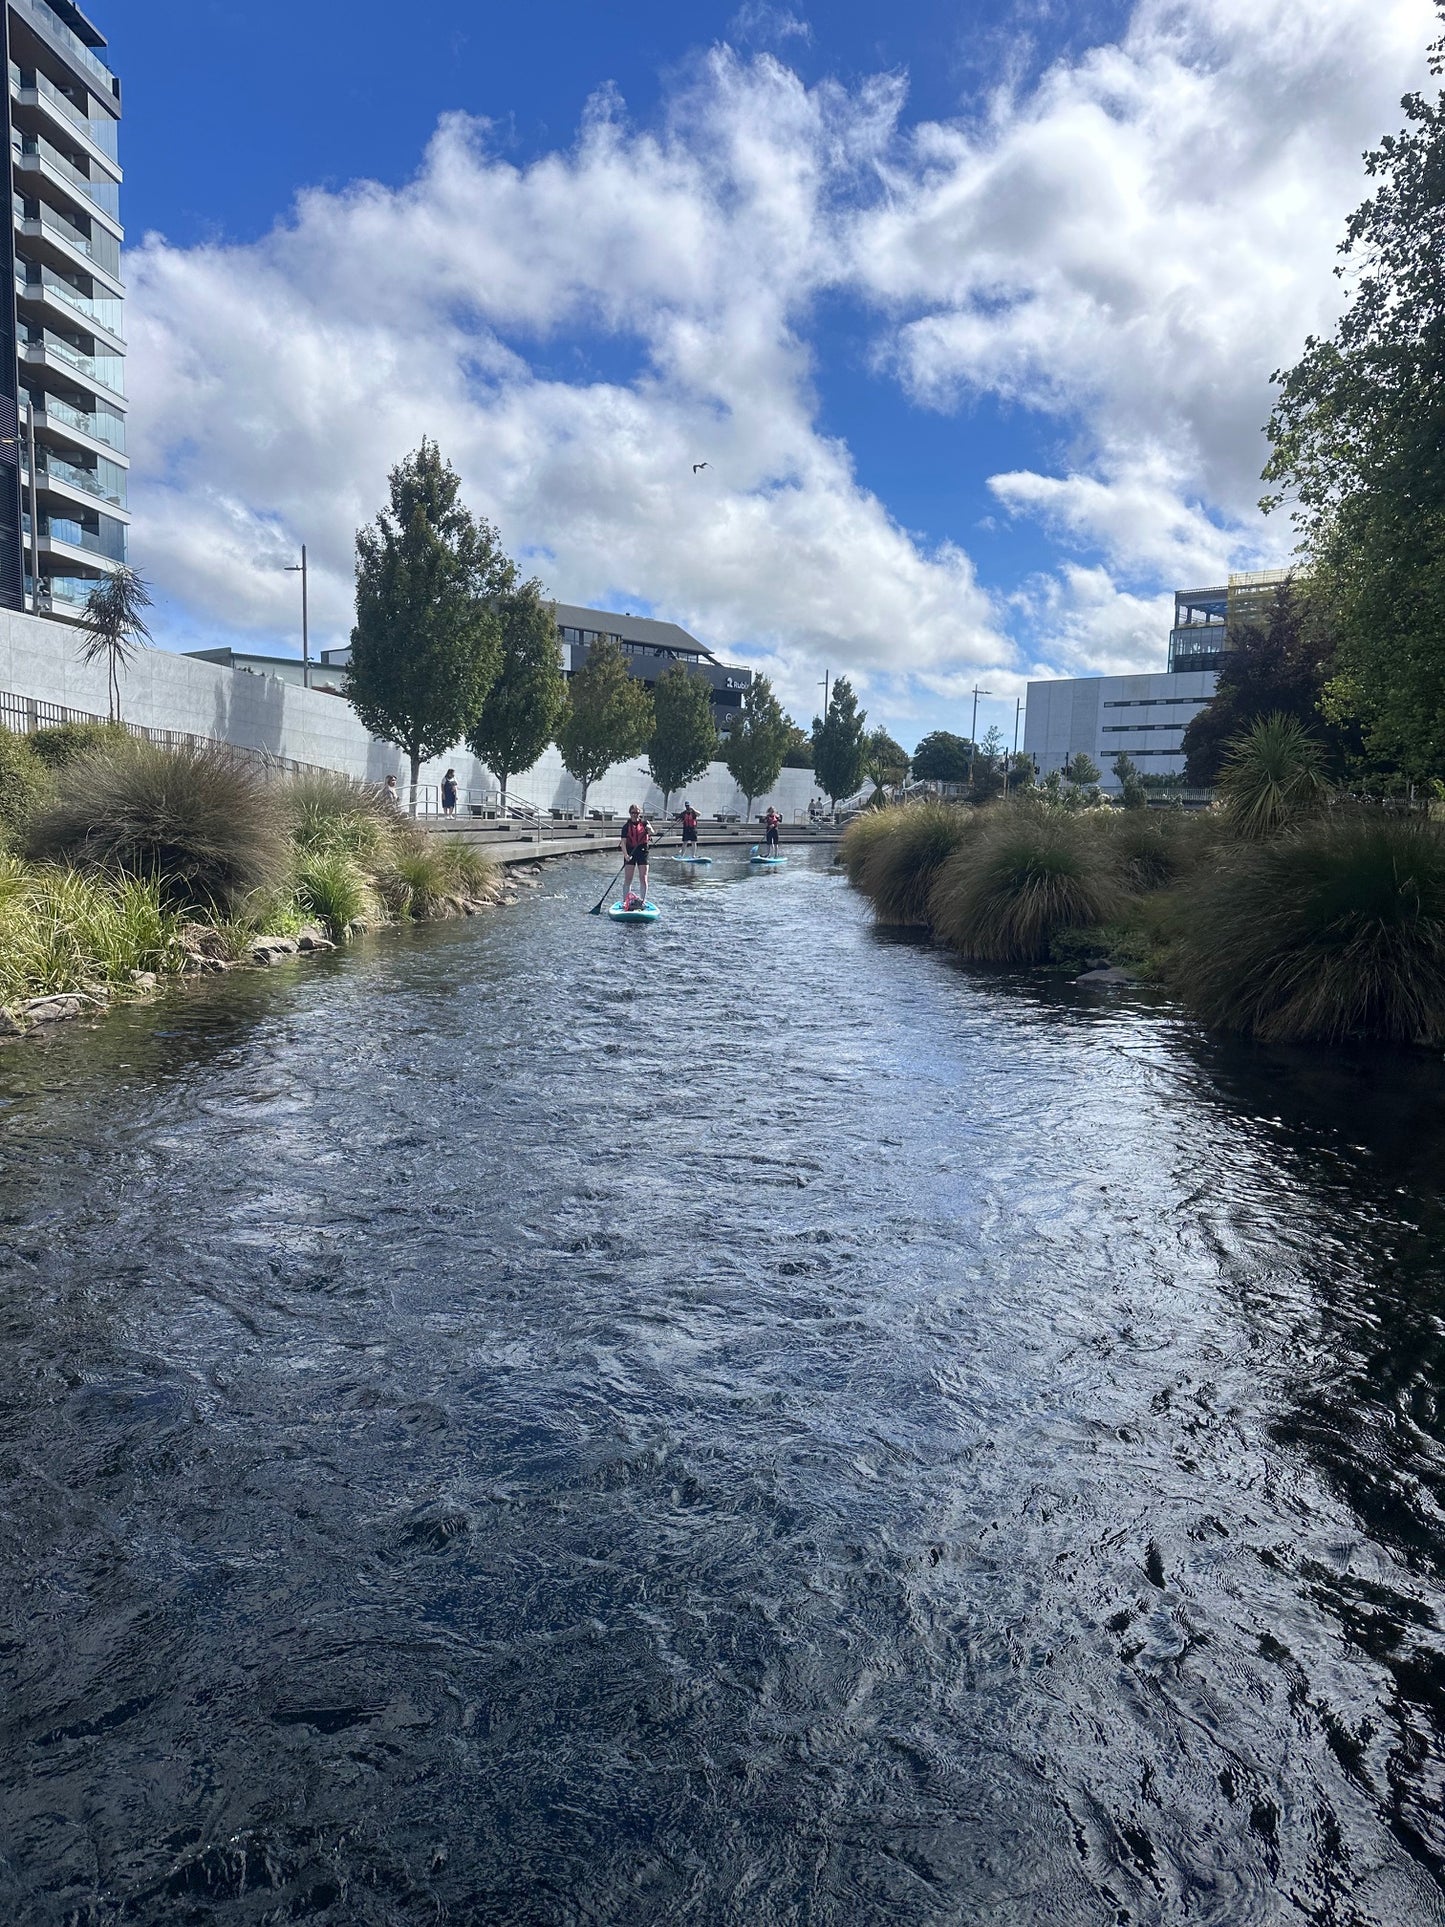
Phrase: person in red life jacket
(773,821)
(689,827)
(636,840)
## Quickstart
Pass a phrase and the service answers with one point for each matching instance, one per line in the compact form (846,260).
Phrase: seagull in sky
(697,465)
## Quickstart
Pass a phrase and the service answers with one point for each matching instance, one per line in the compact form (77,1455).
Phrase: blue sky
(974,339)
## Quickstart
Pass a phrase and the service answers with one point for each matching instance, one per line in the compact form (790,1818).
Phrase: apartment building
(650,648)
(63,500)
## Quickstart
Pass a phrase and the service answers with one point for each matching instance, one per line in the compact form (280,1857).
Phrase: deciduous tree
(942,757)
(427,640)
(684,737)
(754,750)
(840,751)
(607,718)
(524,705)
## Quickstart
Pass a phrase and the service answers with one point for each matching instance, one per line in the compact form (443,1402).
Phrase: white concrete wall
(41,660)
(1102,715)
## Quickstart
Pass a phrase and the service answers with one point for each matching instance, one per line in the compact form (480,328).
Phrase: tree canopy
(840,744)
(1357,434)
(886,755)
(524,704)
(1278,667)
(754,750)
(942,757)
(799,753)
(607,717)
(427,640)
(684,738)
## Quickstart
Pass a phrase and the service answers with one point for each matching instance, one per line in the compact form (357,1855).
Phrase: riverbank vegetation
(1289,913)
(124,862)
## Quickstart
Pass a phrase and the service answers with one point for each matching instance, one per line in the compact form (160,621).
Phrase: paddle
(596,910)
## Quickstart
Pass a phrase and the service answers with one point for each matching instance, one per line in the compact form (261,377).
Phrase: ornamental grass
(199,822)
(327,812)
(898,869)
(1334,930)
(1152,849)
(331,886)
(864,834)
(1030,873)
(62,929)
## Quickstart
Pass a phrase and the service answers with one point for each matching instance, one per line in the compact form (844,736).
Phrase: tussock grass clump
(24,782)
(863,835)
(199,822)
(418,879)
(1151,849)
(472,874)
(63,930)
(1030,873)
(331,885)
(327,812)
(1336,930)
(897,870)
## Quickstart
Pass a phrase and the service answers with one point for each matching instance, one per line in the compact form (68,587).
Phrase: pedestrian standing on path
(389,791)
(636,839)
(449,793)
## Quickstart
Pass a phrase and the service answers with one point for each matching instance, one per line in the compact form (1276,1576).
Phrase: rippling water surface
(733,1422)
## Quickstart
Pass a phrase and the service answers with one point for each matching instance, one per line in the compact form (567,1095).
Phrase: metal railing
(25,715)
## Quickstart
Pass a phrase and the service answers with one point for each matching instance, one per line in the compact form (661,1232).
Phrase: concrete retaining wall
(40,659)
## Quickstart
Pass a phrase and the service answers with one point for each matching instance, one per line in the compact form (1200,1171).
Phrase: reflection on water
(738,1421)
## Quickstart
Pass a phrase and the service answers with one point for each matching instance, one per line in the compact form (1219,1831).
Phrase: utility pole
(299,568)
(973,730)
(824,687)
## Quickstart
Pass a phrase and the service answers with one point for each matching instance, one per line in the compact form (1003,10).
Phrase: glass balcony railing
(104,194)
(98,245)
(103,424)
(106,481)
(45,283)
(100,129)
(107,538)
(108,370)
(59,35)
(70,592)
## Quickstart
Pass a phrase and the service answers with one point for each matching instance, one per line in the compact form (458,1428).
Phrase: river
(740,1421)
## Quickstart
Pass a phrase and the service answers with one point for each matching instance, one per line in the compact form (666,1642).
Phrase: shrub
(897,870)
(1272,774)
(22,782)
(199,822)
(330,885)
(1001,897)
(863,833)
(472,874)
(328,812)
(417,880)
(1334,930)
(61,743)
(1150,849)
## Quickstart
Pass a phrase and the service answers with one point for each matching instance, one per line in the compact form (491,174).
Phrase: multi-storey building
(63,504)
(1145,716)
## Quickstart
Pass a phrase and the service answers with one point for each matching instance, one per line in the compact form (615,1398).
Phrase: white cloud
(1131,246)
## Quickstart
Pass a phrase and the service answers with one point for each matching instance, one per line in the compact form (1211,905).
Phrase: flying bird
(697,465)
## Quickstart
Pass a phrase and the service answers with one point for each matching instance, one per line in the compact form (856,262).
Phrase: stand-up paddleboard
(765,862)
(676,858)
(648,913)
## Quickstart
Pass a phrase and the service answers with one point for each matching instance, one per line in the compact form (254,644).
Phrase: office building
(1146,715)
(63,502)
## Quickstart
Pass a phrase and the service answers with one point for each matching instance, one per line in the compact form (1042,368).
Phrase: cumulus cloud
(1126,247)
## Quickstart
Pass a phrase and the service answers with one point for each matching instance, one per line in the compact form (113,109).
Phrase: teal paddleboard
(692,859)
(767,862)
(649,913)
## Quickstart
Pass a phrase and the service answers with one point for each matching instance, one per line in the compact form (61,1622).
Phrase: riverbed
(738,1421)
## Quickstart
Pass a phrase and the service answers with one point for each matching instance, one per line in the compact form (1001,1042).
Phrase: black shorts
(638,857)
(772,839)
(689,835)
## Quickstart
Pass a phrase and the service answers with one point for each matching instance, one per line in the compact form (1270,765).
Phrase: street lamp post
(299,568)
(973,730)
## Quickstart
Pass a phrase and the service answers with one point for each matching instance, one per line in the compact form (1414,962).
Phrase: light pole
(13,441)
(973,730)
(824,687)
(1012,762)
(299,568)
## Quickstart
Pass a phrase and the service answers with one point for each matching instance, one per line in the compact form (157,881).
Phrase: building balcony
(37,164)
(60,595)
(101,540)
(45,234)
(100,431)
(96,137)
(55,475)
(105,372)
(53,30)
(45,289)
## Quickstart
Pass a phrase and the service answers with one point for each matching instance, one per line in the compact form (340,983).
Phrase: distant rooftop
(656,635)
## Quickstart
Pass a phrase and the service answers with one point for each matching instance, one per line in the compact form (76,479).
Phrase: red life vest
(689,817)
(636,836)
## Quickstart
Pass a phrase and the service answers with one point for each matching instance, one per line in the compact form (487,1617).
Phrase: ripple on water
(738,1421)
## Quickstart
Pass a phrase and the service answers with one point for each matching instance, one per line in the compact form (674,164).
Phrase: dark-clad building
(650,649)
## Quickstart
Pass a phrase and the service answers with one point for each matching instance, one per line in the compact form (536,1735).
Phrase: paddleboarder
(636,840)
(773,822)
(689,830)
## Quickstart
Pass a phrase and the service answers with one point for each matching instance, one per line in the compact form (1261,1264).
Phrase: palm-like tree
(113,626)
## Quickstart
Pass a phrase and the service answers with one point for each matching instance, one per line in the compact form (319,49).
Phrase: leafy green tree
(427,640)
(754,751)
(942,757)
(1126,771)
(113,628)
(607,718)
(1081,770)
(887,754)
(1019,771)
(1357,431)
(1281,667)
(799,753)
(684,737)
(524,704)
(839,743)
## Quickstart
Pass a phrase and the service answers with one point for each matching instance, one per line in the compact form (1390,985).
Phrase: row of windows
(1159,702)
(1131,729)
